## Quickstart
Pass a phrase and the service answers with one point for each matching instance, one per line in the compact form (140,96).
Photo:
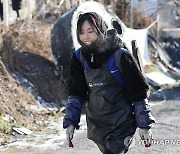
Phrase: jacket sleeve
(73,111)
(77,85)
(77,93)
(136,86)
(137,91)
(143,116)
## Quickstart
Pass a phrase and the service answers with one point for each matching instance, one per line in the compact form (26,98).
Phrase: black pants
(108,152)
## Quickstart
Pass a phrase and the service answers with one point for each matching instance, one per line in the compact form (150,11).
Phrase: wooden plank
(5,12)
(137,56)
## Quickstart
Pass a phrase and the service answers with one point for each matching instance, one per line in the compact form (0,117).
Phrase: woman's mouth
(87,42)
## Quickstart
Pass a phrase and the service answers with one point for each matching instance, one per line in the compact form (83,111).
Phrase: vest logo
(95,84)
(113,71)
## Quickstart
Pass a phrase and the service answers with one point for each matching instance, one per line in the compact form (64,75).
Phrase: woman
(113,110)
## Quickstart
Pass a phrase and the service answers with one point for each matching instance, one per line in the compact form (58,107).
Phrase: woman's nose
(86,36)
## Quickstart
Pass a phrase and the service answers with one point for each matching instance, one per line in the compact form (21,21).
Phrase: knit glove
(146,136)
(69,135)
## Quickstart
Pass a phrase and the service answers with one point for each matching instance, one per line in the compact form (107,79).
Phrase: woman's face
(87,34)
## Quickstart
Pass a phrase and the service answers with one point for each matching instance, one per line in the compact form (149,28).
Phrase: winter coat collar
(109,44)
(99,51)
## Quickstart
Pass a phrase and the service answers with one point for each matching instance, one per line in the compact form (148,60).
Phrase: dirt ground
(165,105)
(30,93)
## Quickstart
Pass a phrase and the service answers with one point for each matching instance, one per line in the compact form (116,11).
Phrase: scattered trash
(35,138)
(22,131)
(3,147)
(159,79)
(7,118)
(62,109)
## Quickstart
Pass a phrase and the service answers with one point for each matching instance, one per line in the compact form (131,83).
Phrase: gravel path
(165,107)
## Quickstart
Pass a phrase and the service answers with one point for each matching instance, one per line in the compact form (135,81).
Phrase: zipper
(92,58)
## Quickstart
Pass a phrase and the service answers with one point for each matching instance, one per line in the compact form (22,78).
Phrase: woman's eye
(91,31)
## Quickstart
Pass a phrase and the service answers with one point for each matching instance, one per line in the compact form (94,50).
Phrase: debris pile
(30,93)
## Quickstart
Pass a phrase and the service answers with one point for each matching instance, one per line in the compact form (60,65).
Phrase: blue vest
(113,62)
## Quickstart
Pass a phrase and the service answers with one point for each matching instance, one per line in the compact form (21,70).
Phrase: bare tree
(122,9)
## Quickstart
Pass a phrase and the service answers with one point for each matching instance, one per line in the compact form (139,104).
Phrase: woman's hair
(95,21)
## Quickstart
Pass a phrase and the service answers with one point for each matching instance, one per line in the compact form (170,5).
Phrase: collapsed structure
(64,42)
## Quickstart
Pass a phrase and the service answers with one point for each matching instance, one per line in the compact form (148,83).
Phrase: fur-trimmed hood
(100,51)
(110,43)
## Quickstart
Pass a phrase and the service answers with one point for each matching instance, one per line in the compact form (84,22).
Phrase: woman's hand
(146,136)
(69,134)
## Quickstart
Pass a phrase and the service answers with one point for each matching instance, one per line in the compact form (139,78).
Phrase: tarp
(141,36)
